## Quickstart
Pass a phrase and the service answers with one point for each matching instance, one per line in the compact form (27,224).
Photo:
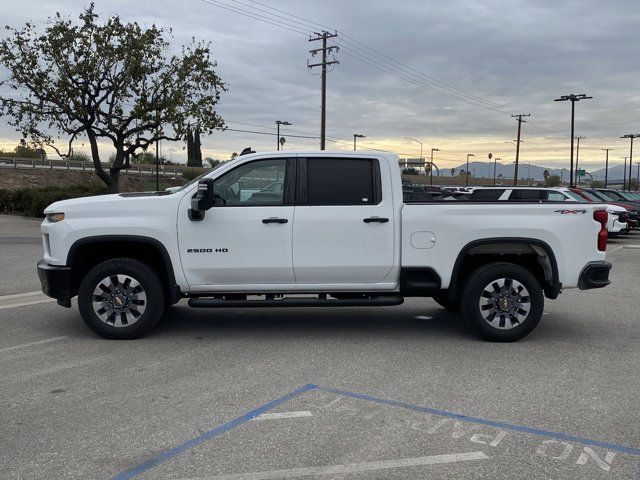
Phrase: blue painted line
(482,421)
(213,433)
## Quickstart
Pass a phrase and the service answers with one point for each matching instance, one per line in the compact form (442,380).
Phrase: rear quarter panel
(569,230)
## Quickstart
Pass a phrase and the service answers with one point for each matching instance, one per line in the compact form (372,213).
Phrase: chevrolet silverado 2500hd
(315,229)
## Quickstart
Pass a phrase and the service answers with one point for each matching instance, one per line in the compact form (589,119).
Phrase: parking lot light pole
(466,178)
(495,166)
(630,136)
(624,173)
(278,123)
(431,169)
(606,166)
(416,140)
(573,98)
(357,135)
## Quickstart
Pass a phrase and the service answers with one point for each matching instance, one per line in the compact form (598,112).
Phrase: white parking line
(20,295)
(32,344)
(615,249)
(275,416)
(23,299)
(351,467)
(632,246)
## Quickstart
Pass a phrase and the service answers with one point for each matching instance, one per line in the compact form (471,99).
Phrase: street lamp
(416,140)
(630,136)
(432,165)
(278,123)
(495,166)
(573,98)
(606,167)
(466,178)
(357,135)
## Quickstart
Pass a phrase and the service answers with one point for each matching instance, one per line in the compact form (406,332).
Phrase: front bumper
(594,275)
(55,282)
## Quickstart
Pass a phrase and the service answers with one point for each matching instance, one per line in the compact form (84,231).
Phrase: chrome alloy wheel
(505,303)
(119,300)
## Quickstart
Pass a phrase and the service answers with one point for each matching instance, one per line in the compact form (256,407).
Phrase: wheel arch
(488,250)
(87,252)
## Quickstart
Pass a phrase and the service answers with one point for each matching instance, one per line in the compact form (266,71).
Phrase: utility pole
(421,159)
(431,171)
(357,135)
(520,120)
(573,98)
(157,163)
(624,174)
(606,167)
(630,136)
(495,166)
(578,138)
(324,36)
(278,123)
(466,177)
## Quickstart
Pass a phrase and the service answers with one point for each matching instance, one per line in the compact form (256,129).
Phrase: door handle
(274,220)
(376,220)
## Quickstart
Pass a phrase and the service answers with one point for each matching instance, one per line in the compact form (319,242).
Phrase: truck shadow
(320,323)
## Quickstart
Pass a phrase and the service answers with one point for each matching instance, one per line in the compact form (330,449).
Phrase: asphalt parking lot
(389,392)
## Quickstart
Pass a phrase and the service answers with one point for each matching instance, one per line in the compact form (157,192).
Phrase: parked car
(633,211)
(339,233)
(616,222)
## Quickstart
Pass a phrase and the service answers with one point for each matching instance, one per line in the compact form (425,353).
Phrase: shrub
(191,173)
(33,201)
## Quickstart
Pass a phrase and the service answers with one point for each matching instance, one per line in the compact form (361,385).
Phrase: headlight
(55,217)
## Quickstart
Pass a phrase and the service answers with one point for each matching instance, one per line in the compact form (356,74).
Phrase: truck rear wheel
(502,302)
(121,298)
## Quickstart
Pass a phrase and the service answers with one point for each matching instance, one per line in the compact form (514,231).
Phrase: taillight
(602,217)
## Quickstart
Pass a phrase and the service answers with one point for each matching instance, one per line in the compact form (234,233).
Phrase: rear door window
(339,181)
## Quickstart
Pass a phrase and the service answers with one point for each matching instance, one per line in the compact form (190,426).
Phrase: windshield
(587,194)
(575,196)
(628,196)
(604,196)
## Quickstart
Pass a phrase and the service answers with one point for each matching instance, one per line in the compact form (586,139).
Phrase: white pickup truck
(315,229)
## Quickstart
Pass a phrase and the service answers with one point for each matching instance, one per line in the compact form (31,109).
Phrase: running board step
(379,301)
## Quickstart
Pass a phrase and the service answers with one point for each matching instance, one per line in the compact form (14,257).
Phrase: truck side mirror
(203,200)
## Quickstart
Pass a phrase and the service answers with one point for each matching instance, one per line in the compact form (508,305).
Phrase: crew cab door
(343,231)
(247,241)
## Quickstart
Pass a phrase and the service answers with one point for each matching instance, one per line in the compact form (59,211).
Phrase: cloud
(520,54)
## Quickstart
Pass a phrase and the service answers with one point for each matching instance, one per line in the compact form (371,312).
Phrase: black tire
(144,297)
(444,302)
(502,325)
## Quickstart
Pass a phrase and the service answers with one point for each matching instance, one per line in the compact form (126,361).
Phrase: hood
(123,204)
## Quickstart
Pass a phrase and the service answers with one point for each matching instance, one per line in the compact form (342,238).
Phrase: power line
(299,25)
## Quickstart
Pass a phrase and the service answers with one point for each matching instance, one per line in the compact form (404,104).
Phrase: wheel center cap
(505,304)
(119,301)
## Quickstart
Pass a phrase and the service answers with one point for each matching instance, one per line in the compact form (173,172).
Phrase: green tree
(553,181)
(106,81)
(213,163)
(23,151)
(597,184)
(410,171)
(546,174)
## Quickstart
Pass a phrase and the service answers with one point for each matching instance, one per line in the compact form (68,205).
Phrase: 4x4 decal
(565,211)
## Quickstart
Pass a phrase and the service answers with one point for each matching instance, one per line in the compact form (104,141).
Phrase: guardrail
(8,162)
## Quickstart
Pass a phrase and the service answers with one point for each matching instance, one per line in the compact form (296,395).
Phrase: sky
(447,74)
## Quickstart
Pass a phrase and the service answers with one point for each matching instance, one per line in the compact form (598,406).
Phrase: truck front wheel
(121,298)
(502,302)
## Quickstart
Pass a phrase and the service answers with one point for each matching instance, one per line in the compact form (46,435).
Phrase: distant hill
(483,169)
